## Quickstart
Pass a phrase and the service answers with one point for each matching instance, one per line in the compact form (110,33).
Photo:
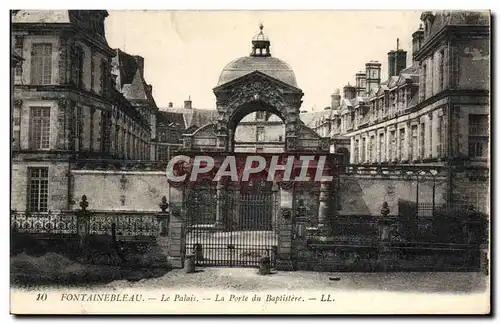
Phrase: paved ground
(248,279)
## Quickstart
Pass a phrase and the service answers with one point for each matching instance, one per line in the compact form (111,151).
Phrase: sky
(185,51)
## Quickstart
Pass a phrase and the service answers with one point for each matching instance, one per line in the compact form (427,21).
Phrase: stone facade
(435,112)
(64,105)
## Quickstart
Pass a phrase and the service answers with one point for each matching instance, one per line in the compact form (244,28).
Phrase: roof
(187,117)
(129,70)
(41,16)
(455,17)
(268,65)
(313,119)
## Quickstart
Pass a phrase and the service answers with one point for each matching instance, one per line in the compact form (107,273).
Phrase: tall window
(373,149)
(363,150)
(104,78)
(401,143)
(439,135)
(79,60)
(106,132)
(260,134)
(441,70)
(381,147)
(392,145)
(41,64)
(478,136)
(414,142)
(356,152)
(78,128)
(38,189)
(40,128)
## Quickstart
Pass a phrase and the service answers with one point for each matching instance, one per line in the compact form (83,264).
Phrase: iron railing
(62,223)
(66,223)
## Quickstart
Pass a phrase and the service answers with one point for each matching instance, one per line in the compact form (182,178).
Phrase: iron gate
(232,228)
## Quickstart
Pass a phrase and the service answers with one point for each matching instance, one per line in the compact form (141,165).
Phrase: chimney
(372,76)
(140,64)
(417,39)
(170,105)
(396,60)
(188,103)
(335,100)
(360,83)
(349,92)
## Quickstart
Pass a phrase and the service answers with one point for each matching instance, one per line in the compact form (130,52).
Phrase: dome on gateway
(259,60)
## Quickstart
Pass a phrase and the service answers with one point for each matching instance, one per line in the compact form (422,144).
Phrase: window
(40,128)
(439,135)
(391,145)
(478,136)
(478,147)
(78,127)
(41,64)
(373,149)
(356,152)
(104,78)
(441,70)
(401,143)
(363,150)
(381,148)
(105,132)
(260,134)
(38,189)
(260,115)
(414,142)
(478,125)
(79,60)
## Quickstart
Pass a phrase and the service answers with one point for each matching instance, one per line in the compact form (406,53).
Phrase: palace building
(433,112)
(65,106)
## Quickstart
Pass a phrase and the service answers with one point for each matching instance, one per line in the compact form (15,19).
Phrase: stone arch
(257,92)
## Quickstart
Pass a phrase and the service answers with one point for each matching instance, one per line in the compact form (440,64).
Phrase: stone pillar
(324,208)
(176,229)
(386,256)
(163,223)
(284,222)
(83,221)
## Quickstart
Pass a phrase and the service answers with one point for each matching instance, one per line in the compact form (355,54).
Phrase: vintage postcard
(250,162)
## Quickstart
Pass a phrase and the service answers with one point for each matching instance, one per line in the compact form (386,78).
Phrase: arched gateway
(234,224)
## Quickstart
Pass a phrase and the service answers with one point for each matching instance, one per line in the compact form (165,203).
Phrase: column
(324,208)
(176,229)
(284,253)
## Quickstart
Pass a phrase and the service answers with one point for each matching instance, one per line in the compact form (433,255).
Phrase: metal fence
(59,224)
(63,224)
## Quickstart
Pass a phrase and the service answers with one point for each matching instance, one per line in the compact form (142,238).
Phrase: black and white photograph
(250,162)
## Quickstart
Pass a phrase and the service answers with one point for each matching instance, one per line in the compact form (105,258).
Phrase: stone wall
(364,196)
(121,190)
